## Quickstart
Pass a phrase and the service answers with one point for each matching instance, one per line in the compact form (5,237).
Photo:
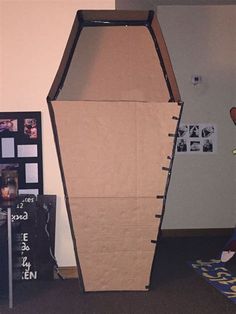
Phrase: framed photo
(20,154)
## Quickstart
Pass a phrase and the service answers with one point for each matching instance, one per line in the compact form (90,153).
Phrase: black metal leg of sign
(10,276)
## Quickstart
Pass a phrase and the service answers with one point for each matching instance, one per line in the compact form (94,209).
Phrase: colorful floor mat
(215,272)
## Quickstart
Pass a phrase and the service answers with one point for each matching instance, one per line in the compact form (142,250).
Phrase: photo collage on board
(196,138)
(20,154)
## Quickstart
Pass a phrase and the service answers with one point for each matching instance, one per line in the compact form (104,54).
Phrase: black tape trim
(160,196)
(167,187)
(171,134)
(56,140)
(150,18)
(114,23)
(162,63)
(165,168)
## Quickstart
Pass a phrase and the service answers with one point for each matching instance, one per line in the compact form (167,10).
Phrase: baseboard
(71,271)
(67,272)
(196,232)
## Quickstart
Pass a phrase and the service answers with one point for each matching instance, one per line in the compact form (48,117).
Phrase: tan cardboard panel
(154,124)
(112,155)
(97,147)
(110,237)
(136,211)
(115,63)
(115,149)
(116,271)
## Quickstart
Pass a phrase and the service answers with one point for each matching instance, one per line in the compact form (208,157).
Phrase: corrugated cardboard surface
(112,155)
(115,63)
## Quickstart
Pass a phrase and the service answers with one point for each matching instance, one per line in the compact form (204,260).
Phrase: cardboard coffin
(115,107)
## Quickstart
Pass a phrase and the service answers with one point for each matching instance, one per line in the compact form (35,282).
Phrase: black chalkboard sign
(33,237)
(24,220)
(3,254)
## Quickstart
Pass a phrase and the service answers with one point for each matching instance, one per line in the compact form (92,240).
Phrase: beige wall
(200,40)
(33,37)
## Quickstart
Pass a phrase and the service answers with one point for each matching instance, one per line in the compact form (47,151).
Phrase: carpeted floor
(176,288)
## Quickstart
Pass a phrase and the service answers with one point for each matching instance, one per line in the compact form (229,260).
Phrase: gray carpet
(175,288)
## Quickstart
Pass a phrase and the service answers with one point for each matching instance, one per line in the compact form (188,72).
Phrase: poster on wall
(196,138)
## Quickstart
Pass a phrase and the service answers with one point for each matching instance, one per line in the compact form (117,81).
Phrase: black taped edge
(164,197)
(110,22)
(105,23)
(56,140)
(71,54)
(166,169)
(171,94)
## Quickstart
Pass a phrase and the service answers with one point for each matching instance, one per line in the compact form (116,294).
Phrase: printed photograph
(207,146)
(208,131)
(30,128)
(198,138)
(183,130)
(195,146)
(181,145)
(7,126)
(194,131)
(8,181)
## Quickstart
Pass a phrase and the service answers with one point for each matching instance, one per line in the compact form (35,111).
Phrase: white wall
(200,39)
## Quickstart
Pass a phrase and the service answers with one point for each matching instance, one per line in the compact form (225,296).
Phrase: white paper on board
(8,147)
(27,150)
(29,191)
(31,173)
